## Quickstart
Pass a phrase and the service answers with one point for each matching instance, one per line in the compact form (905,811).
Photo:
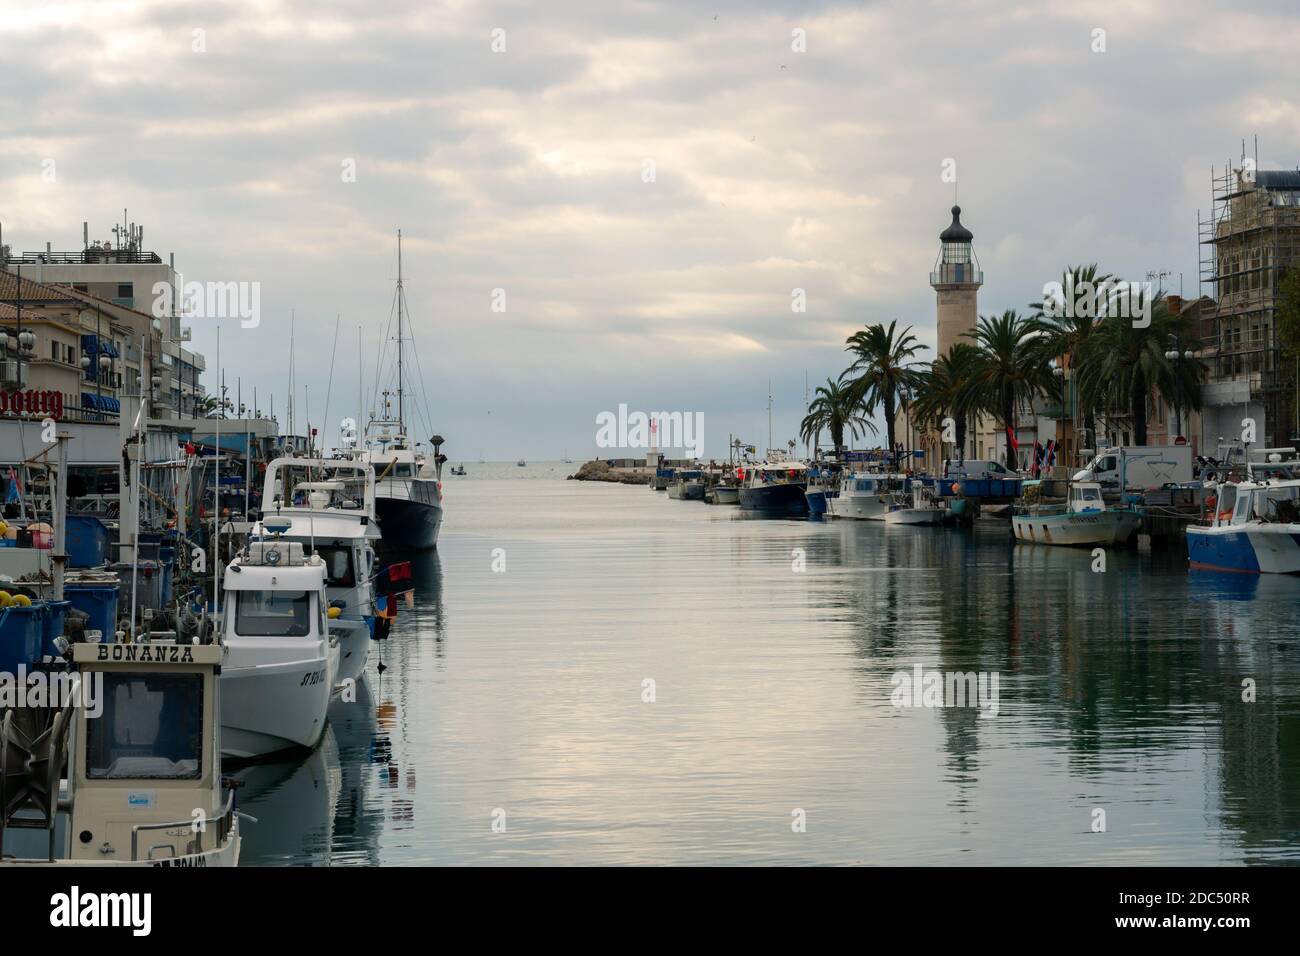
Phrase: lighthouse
(956,280)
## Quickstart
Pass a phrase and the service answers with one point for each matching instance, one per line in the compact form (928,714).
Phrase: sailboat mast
(401,419)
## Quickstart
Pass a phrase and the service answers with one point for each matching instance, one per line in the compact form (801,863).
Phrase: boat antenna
(401,295)
(329,388)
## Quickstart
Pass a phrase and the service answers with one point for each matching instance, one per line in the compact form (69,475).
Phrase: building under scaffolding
(1248,241)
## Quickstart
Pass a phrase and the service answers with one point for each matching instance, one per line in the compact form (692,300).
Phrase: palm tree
(832,410)
(946,391)
(205,405)
(1126,364)
(1013,367)
(1070,331)
(881,371)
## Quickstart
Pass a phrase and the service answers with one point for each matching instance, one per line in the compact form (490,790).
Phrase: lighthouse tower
(956,281)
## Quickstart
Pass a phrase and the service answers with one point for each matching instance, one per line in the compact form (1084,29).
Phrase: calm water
(522,691)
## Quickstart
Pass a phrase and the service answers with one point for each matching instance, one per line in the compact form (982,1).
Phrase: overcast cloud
(523,171)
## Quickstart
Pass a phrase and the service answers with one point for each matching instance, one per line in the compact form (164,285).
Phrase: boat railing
(224,823)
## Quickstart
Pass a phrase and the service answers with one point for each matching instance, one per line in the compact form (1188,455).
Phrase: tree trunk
(1139,402)
(889,429)
(1009,426)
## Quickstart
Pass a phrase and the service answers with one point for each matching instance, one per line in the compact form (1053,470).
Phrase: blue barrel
(99,601)
(21,634)
(87,541)
(27,633)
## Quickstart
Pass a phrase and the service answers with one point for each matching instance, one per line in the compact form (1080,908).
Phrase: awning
(95,344)
(100,403)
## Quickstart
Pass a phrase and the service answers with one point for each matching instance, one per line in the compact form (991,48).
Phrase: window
(273,614)
(151,728)
(338,565)
(125,290)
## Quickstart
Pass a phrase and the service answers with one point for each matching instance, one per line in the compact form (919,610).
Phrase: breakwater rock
(602,471)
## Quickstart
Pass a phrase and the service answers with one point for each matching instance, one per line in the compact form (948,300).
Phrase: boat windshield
(151,728)
(272,614)
(398,470)
(1280,505)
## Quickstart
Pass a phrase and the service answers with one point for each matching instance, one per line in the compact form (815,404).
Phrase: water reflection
(772,645)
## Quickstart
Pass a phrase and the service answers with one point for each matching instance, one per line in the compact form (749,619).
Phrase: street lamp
(1176,354)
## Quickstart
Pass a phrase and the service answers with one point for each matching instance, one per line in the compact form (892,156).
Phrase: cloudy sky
(525,170)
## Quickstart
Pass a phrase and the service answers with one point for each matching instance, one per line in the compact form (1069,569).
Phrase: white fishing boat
(1083,519)
(328,507)
(143,764)
(865,496)
(281,663)
(921,507)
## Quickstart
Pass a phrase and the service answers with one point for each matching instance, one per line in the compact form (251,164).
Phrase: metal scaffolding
(1247,242)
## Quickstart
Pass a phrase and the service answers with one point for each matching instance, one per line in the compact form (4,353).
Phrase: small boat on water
(281,663)
(921,507)
(521,463)
(687,485)
(1253,527)
(458,469)
(722,494)
(865,496)
(1083,519)
(823,487)
(662,478)
(142,765)
(774,487)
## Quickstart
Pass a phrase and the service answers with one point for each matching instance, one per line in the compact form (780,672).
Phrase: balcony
(957,273)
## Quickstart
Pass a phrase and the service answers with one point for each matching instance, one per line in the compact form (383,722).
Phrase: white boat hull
(267,708)
(1078,529)
(859,507)
(914,516)
(354,647)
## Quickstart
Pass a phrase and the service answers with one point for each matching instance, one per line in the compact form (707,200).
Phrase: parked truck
(1145,466)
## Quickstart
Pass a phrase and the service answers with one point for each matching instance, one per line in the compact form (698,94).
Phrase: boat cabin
(141,743)
(1085,498)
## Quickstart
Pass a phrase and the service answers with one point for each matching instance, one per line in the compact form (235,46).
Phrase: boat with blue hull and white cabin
(1252,526)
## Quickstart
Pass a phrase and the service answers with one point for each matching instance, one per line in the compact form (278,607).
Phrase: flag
(387,581)
(11,496)
(385,607)
(409,598)
(1011,439)
(1049,453)
(379,627)
(1038,458)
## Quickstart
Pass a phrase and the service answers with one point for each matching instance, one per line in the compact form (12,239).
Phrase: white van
(976,468)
